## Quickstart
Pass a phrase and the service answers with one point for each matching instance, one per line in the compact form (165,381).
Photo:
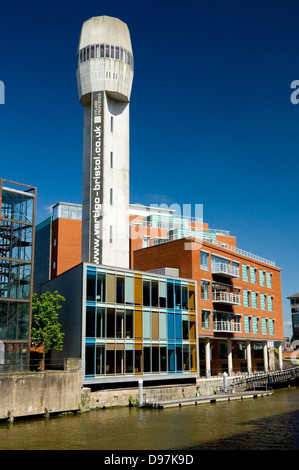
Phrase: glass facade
(17,214)
(138,324)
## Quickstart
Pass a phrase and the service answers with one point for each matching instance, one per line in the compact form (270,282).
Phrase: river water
(266,423)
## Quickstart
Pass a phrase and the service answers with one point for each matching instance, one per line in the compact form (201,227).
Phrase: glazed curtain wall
(138,324)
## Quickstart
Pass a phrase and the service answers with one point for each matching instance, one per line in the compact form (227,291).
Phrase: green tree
(45,329)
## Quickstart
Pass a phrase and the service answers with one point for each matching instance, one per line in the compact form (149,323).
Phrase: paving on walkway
(219,397)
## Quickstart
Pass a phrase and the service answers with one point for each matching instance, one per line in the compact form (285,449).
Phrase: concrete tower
(104,78)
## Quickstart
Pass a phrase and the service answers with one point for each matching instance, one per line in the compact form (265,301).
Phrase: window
(185,297)
(245,272)
(270,303)
(177,295)
(120,290)
(111,124)
(162,293)
(101,287)
(205,290)
(254,299)
(204,258)
(110,235)
(120,317)
(222,350)
(146,292)
(235,268)
(262,278)
(205,319)
(255,325)
(146,241)
(269,280)
(241,351)
(111,196)
(110,323)
(111,159)
(263,301)
(247,324)
(170,296)
(253,275)
(258,352)
(246,297)
(90,322)
(100,323)
(271,327)
(129,323)
(264,326)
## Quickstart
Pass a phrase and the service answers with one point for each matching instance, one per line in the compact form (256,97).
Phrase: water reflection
(270,422)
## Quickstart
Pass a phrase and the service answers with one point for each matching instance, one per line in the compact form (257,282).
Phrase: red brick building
(239,294)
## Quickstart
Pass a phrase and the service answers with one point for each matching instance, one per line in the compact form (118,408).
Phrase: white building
(104,77)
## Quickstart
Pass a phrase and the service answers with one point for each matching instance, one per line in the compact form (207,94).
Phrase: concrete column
(208,357)
(279,347)
(229,356)
(265,350)
(248,356)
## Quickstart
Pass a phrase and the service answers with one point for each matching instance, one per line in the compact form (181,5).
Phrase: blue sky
(211,118)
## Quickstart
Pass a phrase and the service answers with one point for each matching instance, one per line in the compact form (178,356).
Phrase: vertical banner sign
(96,190)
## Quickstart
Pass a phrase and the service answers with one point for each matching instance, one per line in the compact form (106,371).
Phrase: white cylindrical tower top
(105,59)
(105,29)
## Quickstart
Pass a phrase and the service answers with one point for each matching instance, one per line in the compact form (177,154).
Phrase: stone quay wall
(41,393)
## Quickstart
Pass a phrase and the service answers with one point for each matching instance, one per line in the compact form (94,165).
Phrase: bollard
(224,382)
(140,392)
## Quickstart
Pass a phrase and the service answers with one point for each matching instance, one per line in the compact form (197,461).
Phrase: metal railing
(225,268)
(208,239)
(226,297)
(229,326)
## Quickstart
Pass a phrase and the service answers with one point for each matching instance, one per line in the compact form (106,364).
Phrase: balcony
(226,297)
(225,269)
(227,326)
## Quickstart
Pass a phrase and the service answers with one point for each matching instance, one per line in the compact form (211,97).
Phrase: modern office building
(17,220)
(127,325)
(294,301)
(239,305)
(104,77)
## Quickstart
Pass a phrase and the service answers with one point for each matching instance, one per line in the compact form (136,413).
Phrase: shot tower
(104,78)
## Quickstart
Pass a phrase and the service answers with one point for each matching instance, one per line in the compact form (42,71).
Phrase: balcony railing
(225,269)
(228,326)
(226,297)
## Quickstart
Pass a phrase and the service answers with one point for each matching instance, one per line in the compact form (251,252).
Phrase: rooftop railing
(205,237)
